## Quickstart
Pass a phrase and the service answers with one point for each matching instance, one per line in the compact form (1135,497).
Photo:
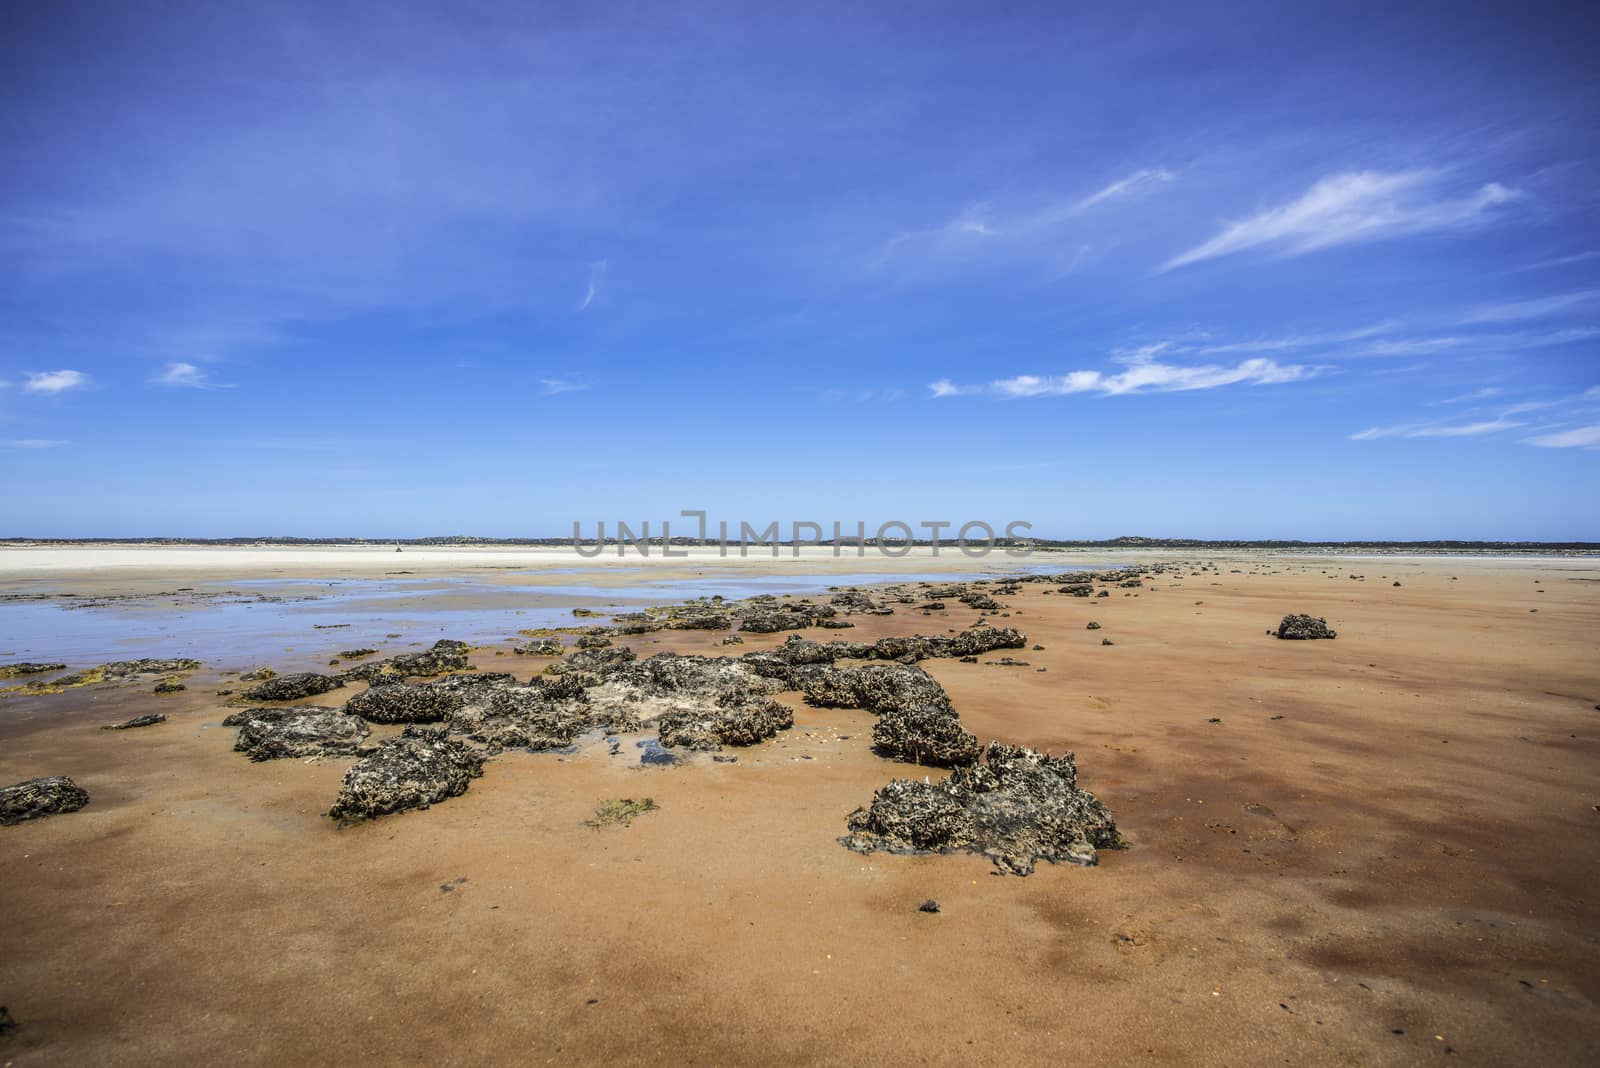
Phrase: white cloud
(55,381)
(597,274)
(30,443)
(553,386)
(1143,375)
(187,375)
(1583,437)
(1134,184)
(1345,208)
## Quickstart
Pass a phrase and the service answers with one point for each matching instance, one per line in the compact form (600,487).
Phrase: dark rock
(356,654)
(420,768)
(541,647)
(1107,641)
(1299,627)
(291,687)
(258,675)
(1092,626)
(1016,807)
(402,703)
(929,905)
(137,721)
(651,754)
(38,798)
(299,732)
(594,641)
(169,686)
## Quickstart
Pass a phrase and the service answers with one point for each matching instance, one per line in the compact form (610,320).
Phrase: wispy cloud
(55,381)
(553,386)
(187,375)
(1137,183)
(862,396)
(1345,208)
(597,274)
(1436,430)
(1583,437)
(1293,342)
(1561,261)
(1535,308)
(30,443)
(1476,395)
(1038,231)
(1143,375)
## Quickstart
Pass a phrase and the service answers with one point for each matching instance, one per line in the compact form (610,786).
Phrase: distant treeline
(1442,545)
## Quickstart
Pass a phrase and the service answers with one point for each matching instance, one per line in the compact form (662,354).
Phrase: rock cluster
(1015,807)
(1012,804)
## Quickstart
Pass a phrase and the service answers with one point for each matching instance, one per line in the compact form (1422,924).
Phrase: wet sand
(1384,852)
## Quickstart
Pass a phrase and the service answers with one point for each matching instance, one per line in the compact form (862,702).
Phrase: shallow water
(302,622)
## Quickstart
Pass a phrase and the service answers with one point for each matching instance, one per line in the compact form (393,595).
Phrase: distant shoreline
(1037,544)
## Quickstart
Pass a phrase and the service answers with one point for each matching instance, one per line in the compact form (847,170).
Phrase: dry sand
(1385,852)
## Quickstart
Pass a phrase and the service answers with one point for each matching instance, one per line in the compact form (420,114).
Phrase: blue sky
(406,269)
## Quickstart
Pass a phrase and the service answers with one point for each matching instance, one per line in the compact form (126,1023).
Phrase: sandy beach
(1374,850)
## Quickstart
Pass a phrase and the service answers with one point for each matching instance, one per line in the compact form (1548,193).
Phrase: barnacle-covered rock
(38,798)
(711,728)
(1304,628)
(294,687)
(930,734)
(445,655)
(27,667)
(877,688)
(420,768)
(986,639)
(1016,807)
(299,732)
(402,703)
(598,662)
